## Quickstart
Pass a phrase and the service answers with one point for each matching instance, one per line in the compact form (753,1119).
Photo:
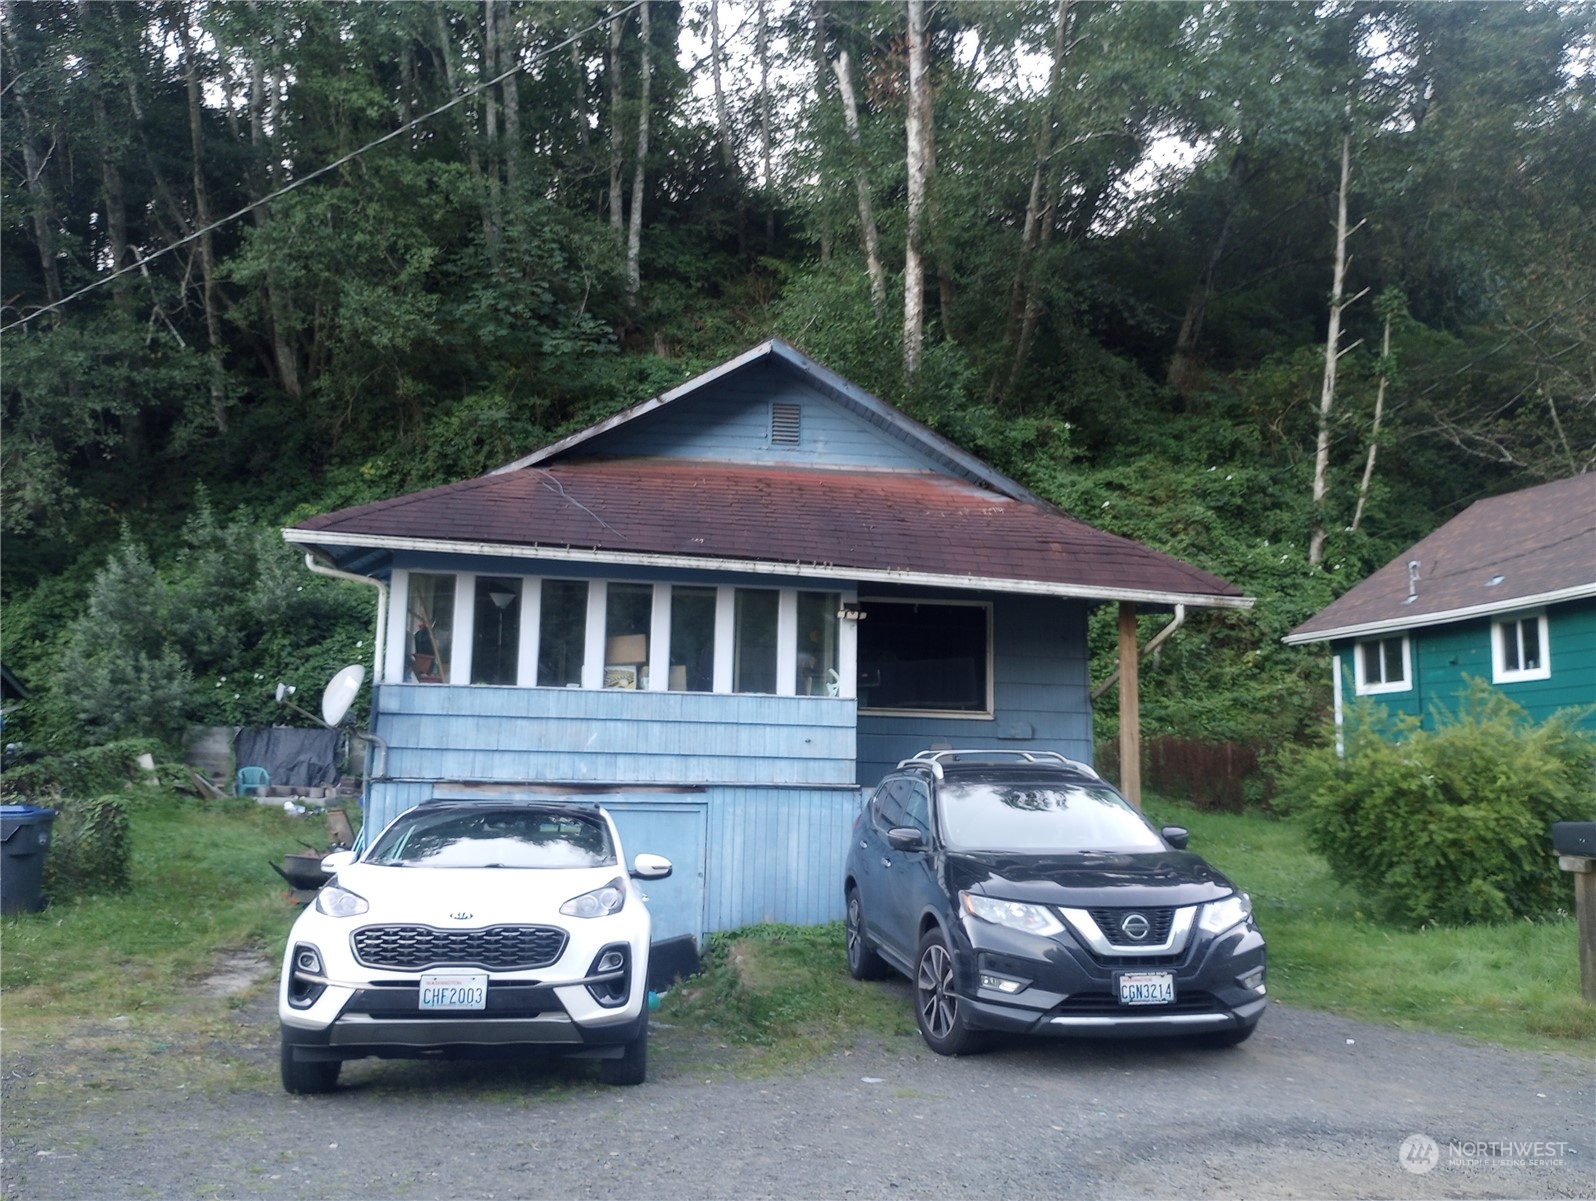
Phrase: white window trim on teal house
(1501,672)
(1366,687)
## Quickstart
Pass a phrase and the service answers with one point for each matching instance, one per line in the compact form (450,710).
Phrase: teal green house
(1505,592)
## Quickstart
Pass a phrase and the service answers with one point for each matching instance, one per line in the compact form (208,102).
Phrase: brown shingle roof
(872,525)
(1538,544)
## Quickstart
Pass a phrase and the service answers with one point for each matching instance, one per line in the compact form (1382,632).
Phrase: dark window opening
(923,656)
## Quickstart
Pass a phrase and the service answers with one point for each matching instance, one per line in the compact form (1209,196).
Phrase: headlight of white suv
(1017,915)
(1218,916)
(601,902)
(340,902)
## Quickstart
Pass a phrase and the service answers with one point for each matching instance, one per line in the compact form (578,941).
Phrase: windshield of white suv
(1038,818)
(495,838)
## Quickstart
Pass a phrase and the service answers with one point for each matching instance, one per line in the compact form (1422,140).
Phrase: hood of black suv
(1089,878)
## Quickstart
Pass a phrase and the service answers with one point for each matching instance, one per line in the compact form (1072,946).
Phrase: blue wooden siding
(610,737)
(776,855)
(1446,657)
(732,422)
(740,855)
(1041,698)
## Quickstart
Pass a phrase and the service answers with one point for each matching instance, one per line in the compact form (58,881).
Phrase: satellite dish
(340,693)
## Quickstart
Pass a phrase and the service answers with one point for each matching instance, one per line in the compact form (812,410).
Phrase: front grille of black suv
(496,949)
(1158,921)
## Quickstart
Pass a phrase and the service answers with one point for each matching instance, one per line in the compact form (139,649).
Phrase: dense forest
(1275,287)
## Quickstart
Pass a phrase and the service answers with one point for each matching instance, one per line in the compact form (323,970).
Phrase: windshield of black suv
(522,837)
(1040,818)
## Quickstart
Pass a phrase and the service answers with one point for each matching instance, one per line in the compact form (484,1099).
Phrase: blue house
(1505,592)
(723,612)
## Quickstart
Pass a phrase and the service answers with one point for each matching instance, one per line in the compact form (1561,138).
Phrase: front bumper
(352,1012)
(1068,989)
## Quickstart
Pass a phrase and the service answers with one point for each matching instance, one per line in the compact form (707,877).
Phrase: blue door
(677,830)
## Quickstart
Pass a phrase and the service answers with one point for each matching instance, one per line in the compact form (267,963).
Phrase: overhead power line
(398,131)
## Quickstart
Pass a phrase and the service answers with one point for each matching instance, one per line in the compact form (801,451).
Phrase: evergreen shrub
(1450,825)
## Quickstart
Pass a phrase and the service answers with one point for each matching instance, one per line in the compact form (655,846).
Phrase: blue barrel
(24,839)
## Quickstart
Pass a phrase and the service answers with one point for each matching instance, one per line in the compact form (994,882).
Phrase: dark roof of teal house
(1519,551)
(959,523)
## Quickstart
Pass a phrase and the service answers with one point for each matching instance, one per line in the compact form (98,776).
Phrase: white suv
(469,927)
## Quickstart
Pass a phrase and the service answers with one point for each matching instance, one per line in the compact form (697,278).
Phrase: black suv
(1019,891)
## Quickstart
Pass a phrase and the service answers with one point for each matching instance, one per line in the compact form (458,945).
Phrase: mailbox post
(1575,844)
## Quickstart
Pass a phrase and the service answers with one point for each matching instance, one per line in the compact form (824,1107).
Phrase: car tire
(308,1075)
(1233,1037)
(632,1066)
(937,1009)
(863,962)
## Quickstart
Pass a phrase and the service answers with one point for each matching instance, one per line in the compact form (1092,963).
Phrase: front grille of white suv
(497,948)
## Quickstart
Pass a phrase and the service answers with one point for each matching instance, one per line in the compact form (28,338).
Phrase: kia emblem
(462,917)
(1135,927)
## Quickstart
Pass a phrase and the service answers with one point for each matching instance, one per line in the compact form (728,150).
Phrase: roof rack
(935,759)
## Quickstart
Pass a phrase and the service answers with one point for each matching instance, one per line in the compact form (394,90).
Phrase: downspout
(378,654)
(1156,641)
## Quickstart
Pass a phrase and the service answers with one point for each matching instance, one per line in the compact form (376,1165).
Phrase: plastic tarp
(292,756)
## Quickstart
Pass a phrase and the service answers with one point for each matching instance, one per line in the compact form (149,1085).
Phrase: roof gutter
(380,638)
(825,571)
(1512,604)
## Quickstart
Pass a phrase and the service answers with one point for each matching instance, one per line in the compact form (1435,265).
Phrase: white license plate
(1147,988)
(454,990)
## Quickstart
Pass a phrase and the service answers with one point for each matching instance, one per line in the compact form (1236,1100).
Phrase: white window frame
(1500,672)
(1365,687)
(659,636)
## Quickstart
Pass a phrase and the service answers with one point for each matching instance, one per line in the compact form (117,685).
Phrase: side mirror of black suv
(1176,836)
(906,838)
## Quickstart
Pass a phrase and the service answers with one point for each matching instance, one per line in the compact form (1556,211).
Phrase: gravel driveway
(1314,1106)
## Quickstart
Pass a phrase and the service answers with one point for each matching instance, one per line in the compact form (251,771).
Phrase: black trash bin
(24,838)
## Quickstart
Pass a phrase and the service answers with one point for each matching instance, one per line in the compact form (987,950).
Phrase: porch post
(1130,709)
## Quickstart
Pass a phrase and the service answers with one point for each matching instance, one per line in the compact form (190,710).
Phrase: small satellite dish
(340,693)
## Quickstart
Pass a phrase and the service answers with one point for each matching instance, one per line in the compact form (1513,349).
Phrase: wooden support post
(1130,709)
(1584,869)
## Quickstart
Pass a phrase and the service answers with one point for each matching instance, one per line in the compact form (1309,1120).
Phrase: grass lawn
(203,888)
(1516,984)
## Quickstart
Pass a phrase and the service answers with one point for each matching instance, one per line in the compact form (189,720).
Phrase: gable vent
(785,423)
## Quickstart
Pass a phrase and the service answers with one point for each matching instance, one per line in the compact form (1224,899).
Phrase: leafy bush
(1450,825)
(91,771)
(89,849)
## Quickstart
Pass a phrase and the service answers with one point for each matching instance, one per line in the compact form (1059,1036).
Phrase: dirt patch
(235,974)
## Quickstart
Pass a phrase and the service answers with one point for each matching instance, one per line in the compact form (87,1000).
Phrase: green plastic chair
(250,778)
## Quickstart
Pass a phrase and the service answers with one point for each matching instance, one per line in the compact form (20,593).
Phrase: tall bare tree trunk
(41,203)
(617,220)
(489,69)
(723,126)
(510,98)
(842,68)
(634,237)
(817,9)
(1024,307)
(723,129)
(1332,355)
(919,137)
(202,214)
(1185,364)
(263,125)
(762,49)
(1374,428)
